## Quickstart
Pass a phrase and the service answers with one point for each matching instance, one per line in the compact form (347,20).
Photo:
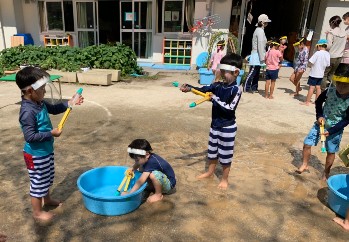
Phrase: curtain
(189,12)
(148,47)
(43,22)
(81,10)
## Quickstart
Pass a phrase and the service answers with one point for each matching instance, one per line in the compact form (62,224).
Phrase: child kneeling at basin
(156,171)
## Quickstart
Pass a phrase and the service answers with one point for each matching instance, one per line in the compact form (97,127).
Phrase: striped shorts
(41,172)
(221,144)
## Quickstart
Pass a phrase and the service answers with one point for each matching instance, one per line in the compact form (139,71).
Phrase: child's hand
(79,101)
(326,133)
(185,88)
(56,132)
(124,193)
(320,120)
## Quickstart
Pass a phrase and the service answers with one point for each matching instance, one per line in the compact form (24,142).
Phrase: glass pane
(126,15)
(86,38)
(85,15)
(173,16)
(68,16)
(146,45)
(54,15)
(137,43)
(127,39)
(145,13)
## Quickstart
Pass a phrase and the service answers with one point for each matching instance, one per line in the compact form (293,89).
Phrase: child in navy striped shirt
(225,98)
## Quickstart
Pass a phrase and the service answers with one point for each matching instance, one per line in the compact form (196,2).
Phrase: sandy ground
(265,201)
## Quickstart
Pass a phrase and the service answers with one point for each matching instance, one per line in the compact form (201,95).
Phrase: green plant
(67,58)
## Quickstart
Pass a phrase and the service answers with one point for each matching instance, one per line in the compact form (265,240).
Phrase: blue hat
(322,42)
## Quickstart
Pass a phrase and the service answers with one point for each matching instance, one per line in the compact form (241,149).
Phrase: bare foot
(342,223)
(223,185)
(302,169)
(294,94)
(304,103)
(3,237)
(325,176)
(52,202)
(205,175)
(271,97)
(266,97)
(155,198)
(43,217)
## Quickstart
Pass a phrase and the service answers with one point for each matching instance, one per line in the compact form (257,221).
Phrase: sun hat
(283,37)
(341,74)
(263,18)
(321,42)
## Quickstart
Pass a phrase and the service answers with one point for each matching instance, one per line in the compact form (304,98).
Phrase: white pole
(244,22)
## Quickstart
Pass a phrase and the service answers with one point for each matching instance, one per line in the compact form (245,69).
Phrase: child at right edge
(332,108)
(225,99)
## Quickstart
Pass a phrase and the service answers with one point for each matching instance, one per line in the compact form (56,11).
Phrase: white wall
(8,22)
(32,21)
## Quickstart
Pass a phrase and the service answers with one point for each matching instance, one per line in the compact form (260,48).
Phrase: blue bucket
(338,196)
(99,187)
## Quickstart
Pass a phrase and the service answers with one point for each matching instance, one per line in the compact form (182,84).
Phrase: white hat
(264,18)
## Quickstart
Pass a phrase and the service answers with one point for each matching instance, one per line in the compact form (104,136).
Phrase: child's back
(320,60)
(272,59)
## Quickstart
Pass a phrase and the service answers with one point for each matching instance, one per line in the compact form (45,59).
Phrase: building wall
(8,22)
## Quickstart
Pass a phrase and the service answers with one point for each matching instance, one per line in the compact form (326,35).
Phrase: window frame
(163,16)
(47,30)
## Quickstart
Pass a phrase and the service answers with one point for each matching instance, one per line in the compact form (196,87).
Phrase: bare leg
(272,86)
(224,181)
(38,214)
(210,171)
(318,91)
(344,223)
(306,158)
(296,81)
(51,202)
(329,162)
(267,85)
(157,196)
(309,95)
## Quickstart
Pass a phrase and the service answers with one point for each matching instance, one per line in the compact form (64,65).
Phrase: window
(56,15)
(173,16)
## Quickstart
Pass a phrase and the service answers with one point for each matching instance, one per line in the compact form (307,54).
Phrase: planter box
(115,74)
(66,76)
(95,78)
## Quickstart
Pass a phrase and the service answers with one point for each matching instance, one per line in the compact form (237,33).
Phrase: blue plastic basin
(99,188)
(338,196)
(207,76)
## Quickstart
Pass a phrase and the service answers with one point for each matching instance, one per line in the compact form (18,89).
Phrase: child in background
(345,58)
(272,59)
(215,60)
(332,108)
(319,61)
(282,47)
(39,137)
(155,170)
(225,98)
(300,64)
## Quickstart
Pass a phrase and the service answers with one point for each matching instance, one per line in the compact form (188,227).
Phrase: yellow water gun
(67,112)
(129,175)
(323,137)
(206,96)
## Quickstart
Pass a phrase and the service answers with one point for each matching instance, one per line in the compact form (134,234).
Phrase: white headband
(36,85)
(136,151)
(227,67)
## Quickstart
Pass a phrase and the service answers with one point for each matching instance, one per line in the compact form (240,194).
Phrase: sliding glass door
(86,22)
(136,26)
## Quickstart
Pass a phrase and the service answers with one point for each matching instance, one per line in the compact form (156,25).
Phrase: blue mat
(171,67)
(145,64)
